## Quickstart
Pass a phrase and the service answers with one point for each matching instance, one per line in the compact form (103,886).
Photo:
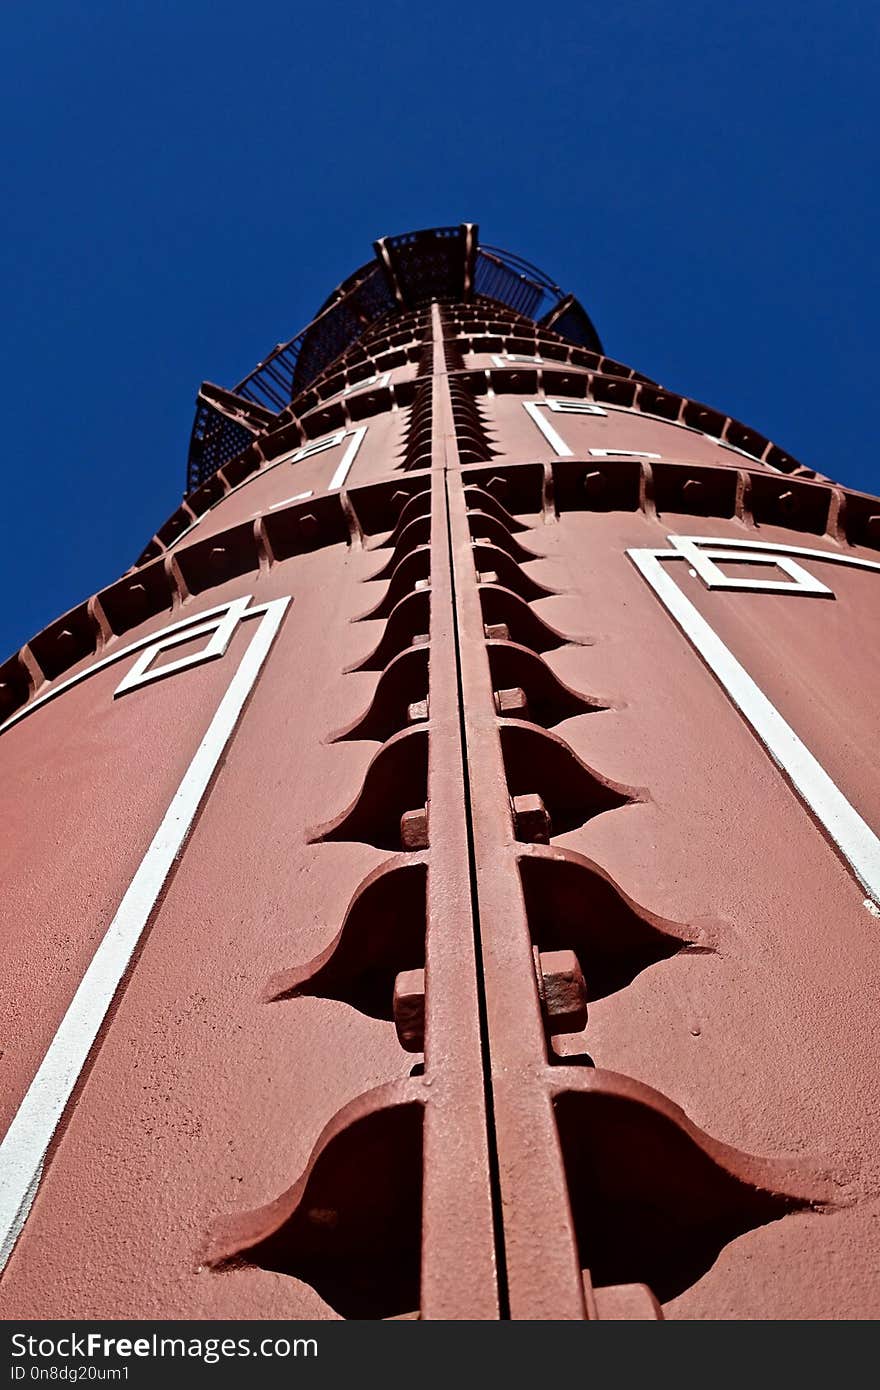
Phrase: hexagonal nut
(531,819)
(414,829)
(308,524)
(512,703)
(563,991)
(872,526)
(422,584)
(487,577)
(497,632)
(692,490)
(64,637)
(421,639)
(218,555)
(417,711)
(595,483)
(409,1010)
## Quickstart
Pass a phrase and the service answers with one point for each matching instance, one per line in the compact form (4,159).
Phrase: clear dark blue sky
(186,182)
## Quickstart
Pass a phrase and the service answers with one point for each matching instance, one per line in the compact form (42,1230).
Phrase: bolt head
(873,527)
(409,1010)
(488,577)
(399,500)
(531,819)
(512,703)
(563,991)
(414,829)
(500,632)
(417,711)
(497,486)
(692,489)
(308,524)
(421,639)
(595,483)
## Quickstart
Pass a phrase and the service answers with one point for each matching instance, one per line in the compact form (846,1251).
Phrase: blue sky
(186,182)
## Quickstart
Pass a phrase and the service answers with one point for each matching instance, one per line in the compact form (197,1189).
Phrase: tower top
(406,272)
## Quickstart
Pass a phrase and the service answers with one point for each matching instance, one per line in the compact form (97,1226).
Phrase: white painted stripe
(853,837)
(197,622)
(571,406)
(298,497)
(376,381)
(555,440)
(223,629)
(348,458)
(683,543)
(23,1150)
(294,456)
(622,453)
(507,358)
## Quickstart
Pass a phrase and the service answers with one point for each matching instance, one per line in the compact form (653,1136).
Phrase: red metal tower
(441,878)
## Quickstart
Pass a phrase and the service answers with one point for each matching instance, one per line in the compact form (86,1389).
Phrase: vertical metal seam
(444,457)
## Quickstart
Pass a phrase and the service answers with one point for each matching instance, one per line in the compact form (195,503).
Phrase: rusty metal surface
(518,955)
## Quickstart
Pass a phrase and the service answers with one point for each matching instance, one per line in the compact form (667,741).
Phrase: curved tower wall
(441,876)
